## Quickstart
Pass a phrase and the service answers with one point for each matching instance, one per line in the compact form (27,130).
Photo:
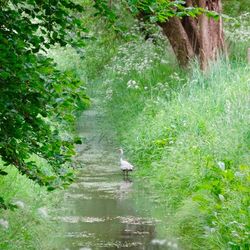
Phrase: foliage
(235,8)
(163,10)
(186,133)
(35,96)
(237,32)
(152,10)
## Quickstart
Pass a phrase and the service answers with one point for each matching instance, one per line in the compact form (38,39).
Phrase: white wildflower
(176,77)
(43,212)
(238,174)
(164,61)
(19,204)
(209,229)
(169,244)
(132,84)
(233,222)
(221,165)
(221,197)
(109,93)
(4,223)
(235,234)
(174,245)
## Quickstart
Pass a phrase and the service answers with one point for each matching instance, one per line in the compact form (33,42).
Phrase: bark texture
(202,36)
(179,40)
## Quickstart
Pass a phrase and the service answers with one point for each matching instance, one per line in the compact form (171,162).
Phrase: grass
(178,148)
(185,131)
(28,225)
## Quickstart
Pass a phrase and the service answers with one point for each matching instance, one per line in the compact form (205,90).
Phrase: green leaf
(3,172)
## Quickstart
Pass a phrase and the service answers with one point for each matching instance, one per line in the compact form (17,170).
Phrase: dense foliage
(35,96)
(163,10)
(234,8)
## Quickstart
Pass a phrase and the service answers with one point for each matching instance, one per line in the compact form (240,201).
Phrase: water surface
(102,208)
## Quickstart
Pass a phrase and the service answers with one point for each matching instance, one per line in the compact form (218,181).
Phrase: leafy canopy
(35,96)
(153,10)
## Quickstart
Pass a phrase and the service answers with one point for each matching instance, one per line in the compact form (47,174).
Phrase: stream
(104,210)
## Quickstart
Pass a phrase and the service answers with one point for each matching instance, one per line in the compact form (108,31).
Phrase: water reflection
(124,189)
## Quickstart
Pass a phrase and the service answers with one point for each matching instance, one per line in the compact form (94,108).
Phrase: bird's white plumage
(124,165)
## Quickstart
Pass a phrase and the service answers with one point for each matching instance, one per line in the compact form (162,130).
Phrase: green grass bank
(30,224)
(187,132)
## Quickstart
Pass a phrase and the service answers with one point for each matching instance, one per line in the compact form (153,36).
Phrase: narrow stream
(101,207)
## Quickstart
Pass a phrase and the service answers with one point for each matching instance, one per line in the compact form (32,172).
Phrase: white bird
(125,166)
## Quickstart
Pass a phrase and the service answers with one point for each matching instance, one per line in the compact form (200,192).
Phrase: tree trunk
(179,40)
(201,36)
(211,33)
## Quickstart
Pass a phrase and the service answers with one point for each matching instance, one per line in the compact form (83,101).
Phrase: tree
(35,96)
(193,27)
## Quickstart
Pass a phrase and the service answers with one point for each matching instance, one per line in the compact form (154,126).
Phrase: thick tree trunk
(191,27)
(201,36)
(211,33)
(179,40)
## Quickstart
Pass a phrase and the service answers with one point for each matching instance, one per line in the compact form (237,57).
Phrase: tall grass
(30,224)
(194,151)
(185,131)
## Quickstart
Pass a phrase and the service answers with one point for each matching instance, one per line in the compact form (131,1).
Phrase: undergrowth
(194,149)
(28,224)
(185,131)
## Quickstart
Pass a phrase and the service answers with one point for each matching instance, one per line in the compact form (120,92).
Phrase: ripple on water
(74,185)
(104,186)
(136,220)
(77,196)
(114,244)
(130,231)
(78,219)
(79,235)
(92,178)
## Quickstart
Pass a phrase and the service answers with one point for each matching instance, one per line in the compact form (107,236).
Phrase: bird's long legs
(125,175)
